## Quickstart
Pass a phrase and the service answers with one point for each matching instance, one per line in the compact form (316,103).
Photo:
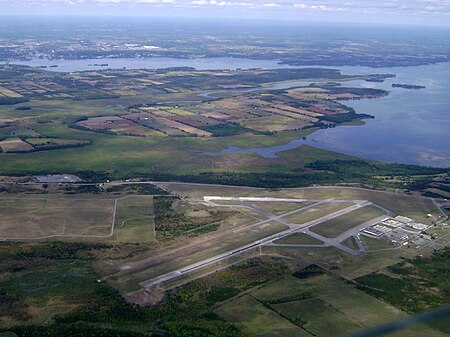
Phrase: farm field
(9,93)
(329,307)
(126,115)
(44,143)
(168,177)
(116,124)
(15,145)
(412,277)
(257,320)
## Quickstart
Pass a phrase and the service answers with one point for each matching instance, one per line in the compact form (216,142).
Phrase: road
(335,242)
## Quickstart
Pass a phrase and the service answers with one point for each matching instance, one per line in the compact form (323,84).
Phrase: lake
(152,63)
(410,126)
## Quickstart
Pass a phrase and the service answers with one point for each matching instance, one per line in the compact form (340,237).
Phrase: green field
(257,320)
(203,250)
(320,319)
(372,244)
(415,207)
(44,291)
(334,307)
(7,334)
(54,281)
(350,243)
(299,239)
(414,285)
(278,208)
(73,257)
(37,217)
(134,220)
(52,123)
(332,228)
(316,212)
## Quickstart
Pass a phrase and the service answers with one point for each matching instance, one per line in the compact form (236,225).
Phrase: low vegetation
(414,285)
(172,218)
(81,306)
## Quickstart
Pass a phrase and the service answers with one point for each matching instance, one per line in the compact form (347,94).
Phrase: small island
(379,78)
(407,86)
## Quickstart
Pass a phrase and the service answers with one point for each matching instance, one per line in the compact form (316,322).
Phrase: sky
(423,12)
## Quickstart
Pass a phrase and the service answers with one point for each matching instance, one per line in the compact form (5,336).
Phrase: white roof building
(419,226)
(403,219)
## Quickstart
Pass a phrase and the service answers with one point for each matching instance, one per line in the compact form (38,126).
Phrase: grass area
(257,320)
(53,142)
(50,118)
(7,334)
(313,312)
(278,208)
(341,263)
(54,280)
(330,292)
(334,306)
(155,266)
(34,217)
(332,228)
(43,280)
(299,239)
(125,156)
(54,284)
(413,285)
(175,217)
(135,219)
(350,243)
(316,212)
(372,244)
(415,207)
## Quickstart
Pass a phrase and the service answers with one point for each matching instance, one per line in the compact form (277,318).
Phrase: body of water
(410,126)
(152,63)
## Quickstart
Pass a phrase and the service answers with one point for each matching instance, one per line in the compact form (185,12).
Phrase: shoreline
(279,63)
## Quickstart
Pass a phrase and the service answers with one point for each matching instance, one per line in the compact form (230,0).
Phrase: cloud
(271,5)
(319,7)
(109,1)
(158,2)
(220,3)
(359,10)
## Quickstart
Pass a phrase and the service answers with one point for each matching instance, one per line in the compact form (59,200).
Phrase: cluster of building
(398,229)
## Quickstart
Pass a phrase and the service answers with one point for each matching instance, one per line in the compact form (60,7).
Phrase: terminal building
(373,232)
